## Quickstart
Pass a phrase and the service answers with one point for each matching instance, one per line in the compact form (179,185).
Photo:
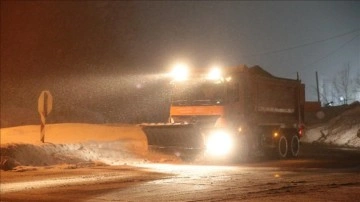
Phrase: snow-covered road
(296,180)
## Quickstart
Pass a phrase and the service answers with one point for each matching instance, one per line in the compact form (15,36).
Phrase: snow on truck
(231,113)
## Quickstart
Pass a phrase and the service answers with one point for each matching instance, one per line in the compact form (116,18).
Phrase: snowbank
(71,133)
(75,144)
(342,130)
(117,144)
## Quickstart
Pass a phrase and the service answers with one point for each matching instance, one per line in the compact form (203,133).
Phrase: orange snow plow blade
(177,136)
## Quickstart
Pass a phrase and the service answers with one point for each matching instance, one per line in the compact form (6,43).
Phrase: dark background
(103,61)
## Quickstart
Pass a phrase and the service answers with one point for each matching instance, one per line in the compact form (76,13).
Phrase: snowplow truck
(231,113)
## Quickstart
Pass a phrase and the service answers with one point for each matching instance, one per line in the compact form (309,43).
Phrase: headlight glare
(219,143)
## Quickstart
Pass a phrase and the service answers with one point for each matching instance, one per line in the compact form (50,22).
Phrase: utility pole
(317,86)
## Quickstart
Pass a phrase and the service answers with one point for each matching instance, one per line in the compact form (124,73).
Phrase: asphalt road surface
(319,174)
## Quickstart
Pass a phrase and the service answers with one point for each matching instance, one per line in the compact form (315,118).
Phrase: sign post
(45,102)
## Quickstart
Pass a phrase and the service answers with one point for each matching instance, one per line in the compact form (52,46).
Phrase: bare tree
(324,94)
(357,86)
(342,84)
(327,94)
(343,88)
(357,80)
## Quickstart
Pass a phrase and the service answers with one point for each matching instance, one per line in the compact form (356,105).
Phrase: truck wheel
(282,148)
(295,146)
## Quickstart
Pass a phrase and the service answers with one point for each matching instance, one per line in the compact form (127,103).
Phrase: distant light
(228,79)
(180,72)
(342,98)
(214,74)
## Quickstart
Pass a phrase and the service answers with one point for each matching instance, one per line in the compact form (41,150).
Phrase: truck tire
(294,146)
(282,147)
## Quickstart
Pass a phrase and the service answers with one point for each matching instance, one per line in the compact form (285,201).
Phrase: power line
(303,45)
(334,51)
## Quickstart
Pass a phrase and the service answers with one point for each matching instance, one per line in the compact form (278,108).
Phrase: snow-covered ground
(342,130)
(75,145)
(79,145)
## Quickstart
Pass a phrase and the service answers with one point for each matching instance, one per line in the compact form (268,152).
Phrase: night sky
(101,57)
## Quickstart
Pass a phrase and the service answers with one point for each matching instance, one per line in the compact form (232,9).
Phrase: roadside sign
(45,103)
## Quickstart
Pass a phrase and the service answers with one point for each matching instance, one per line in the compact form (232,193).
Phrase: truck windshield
(193,94)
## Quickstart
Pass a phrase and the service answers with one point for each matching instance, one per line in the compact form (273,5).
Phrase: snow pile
(342,130)
(78,145)
(75,145)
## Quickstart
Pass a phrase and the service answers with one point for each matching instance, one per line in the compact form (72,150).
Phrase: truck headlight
(214,74)
(219,143)
(180,72)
